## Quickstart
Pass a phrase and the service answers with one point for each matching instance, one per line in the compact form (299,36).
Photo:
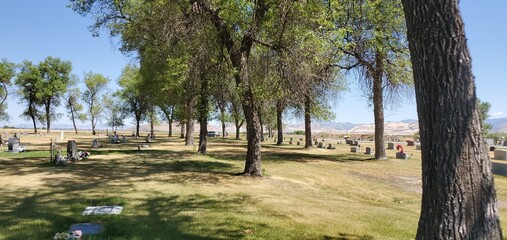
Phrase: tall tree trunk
(238,128)
(253,136)
(182,133)
(152,127)
(279,123)
(222,118)
(262,126)
(73,120)
(378,112)
(32,115)
(459,197)
(189,136)
(308,122)
(203,114)
(92,118)
(138,123)
(170,134)
(48,117)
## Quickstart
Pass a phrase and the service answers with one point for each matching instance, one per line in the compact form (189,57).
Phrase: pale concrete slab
(100,210)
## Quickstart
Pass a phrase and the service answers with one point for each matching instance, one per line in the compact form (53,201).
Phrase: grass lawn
(170,192)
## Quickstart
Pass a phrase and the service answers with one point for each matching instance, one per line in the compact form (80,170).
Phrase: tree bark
(308,122)
(48,117)
(32,115)
(73,120)
(378,112)
(459,197)
(279,123)
(203,114)
(182,133)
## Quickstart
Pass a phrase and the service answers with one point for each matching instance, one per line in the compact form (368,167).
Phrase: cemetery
(168,189)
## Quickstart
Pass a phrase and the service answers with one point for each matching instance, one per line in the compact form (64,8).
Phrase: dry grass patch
(170,192)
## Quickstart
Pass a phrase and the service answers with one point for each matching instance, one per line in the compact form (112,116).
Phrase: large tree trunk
(308,122)
(378,113)
(32,115)
(190,104)
(92,118)
(73,120)
(279,123)
(238,128)
(253,136)
(459,198)
(138,123)
(170,134)
(203,115)
(182,133)
(48,116)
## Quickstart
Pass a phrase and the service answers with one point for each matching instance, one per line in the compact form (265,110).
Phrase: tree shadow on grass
(292,156)
(41,215)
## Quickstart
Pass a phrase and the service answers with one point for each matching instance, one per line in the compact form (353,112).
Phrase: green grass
(170,192)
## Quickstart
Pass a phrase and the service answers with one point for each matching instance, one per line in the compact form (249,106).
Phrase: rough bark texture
(73,121)
(48,116)
(189,136)
(203,115)
(308,123)
(459,198)
(182,133)
(378,112)
(279,123)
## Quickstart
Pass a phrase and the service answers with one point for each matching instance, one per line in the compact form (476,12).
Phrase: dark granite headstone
(13,144)
(87,228)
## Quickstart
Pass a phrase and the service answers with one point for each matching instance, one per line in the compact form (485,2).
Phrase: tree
(55,75)
(72,104)
(372,38)
(115,113)
(29,81)
(484,113)
(135,103)
(7,72)
(95,84)
(459,197)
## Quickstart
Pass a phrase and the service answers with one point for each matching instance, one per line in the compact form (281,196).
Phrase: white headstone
(100,210)
(61,136)
(501,154)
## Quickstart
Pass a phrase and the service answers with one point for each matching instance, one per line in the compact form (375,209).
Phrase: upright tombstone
(418,146)
(13,144)
(72,149)
(330,146)
(298,143)
(401,155)
(368,151)
(320,145)
(390,145)
(410,143)
(95,143)
(354,149)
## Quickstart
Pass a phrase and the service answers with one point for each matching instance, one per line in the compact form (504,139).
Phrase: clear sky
(34,29)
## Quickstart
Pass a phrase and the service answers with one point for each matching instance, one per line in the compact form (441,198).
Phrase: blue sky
(34,29)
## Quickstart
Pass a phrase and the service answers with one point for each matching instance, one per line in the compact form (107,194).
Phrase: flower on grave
(74,235)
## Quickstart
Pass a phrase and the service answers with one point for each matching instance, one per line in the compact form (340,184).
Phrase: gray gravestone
(13,144)
(320,145)
(95,143)
(368,151)
(418,146)
(410,143)
(401,155)
(330,146)
(101,210)
(501,154)
(72,149)
(87,228)
(390,145)
(298,143)
(354,149)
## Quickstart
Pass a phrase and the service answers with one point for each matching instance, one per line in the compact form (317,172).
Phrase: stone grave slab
(320,145)
(101,210)
(490,141)
(353,149)
(401,155)
(330,146)
(418,147)
(368,151)
(390,145)
(87,228)
(501,154)
(410,143)
(13,144)
(72,149)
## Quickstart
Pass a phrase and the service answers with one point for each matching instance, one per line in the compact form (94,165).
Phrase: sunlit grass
(170,192)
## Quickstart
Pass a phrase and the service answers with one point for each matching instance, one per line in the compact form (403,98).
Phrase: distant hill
(499,124)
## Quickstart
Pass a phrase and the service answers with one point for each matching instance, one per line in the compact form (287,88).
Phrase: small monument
(320,145)
(354,149)
(13,144)
(418,146)
(95,143)
(330,146)
(72,150)
(501,154)
(390,145)
(410,143)
(298,143)
(368,151)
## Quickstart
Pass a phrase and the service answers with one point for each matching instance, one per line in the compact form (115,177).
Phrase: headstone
(368,151)
(354,149)
(61,136)
(290,142)
(501,154)
(505,143)
(87,228)
(490,141)
(354,143)
(72,149)
(390,145)
(95,143)
(348,141)
(13,144)
(101,210)
(274,140)
(298,143)
(320,145)
(401,155)
(330,146)
(492,148)
(418,146)
(316,142)
(123,139)
(410,143)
